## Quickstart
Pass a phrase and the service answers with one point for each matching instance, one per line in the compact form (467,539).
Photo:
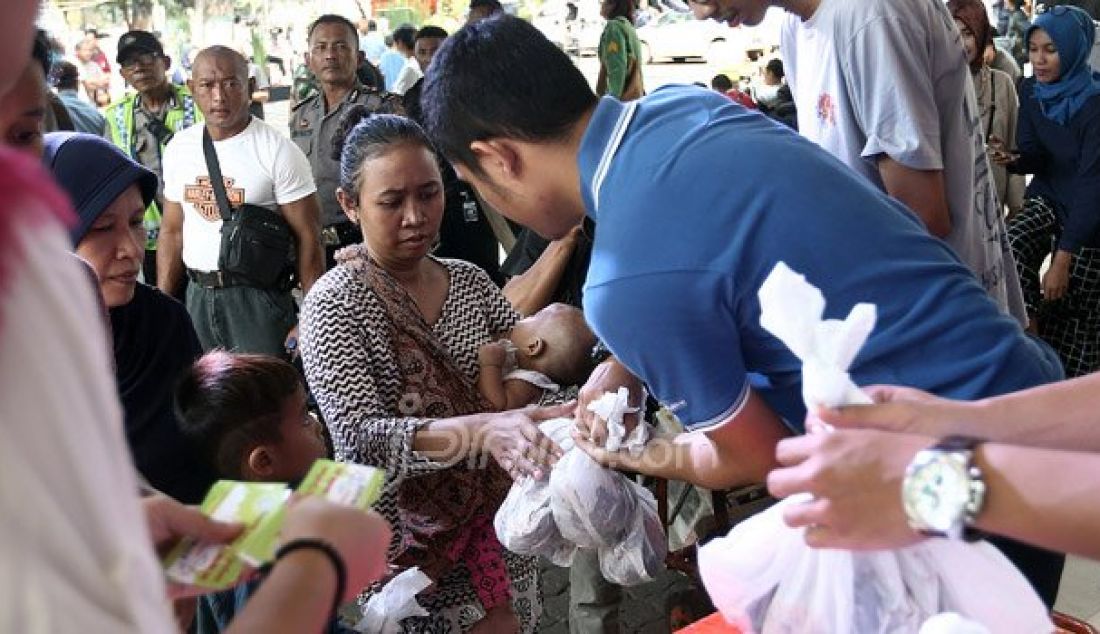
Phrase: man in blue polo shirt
(696,199)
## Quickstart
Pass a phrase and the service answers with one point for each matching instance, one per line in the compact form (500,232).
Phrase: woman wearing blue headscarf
(1058,137)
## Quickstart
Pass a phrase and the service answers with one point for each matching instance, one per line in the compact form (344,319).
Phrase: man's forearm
(311,263)
(694,457)
(1063,415)
(531,291)
(1025,502)
(922,191)
(169,261)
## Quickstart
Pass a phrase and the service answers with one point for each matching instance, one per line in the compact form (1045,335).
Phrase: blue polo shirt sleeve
(678,332)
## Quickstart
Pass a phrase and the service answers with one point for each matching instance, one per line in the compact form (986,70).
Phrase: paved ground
(645,609)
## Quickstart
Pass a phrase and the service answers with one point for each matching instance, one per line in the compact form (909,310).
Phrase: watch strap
(958,443)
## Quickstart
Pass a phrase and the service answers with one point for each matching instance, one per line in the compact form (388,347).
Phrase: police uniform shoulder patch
(302,103)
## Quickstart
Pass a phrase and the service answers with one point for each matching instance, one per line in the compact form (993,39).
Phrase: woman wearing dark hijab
(998,107)
(1058,139)
(153,337)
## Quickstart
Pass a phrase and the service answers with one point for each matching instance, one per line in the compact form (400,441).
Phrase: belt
(216,279)
(340,234)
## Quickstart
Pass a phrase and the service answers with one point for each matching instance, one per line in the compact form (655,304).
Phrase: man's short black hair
(40,51)
(721,82)
(431,32)
(405,34)
(775,67)
(482,86)
(65,76)
(494,5)
(332,18)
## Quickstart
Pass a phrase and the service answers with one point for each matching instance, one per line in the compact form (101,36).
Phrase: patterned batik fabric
(1071,325)
(358,371)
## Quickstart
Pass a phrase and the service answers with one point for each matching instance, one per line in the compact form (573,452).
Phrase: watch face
(937,492)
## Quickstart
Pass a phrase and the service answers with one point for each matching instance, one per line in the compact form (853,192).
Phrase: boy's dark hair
(721,82)
(227,403)
(40,51)
(406,35)
(431,32)
(481,86)
(332,18)
(775,67)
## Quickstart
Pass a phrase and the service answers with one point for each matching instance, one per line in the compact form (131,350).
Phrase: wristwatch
(943,490)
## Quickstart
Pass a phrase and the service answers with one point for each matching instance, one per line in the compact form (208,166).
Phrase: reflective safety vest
(181,114)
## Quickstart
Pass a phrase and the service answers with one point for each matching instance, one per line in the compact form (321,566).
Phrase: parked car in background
(679,36)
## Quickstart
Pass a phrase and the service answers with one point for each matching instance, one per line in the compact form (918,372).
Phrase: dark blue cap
(94,173)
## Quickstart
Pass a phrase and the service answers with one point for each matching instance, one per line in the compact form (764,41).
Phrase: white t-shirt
(890,77)
(410,74)
(76,551)
(259,167)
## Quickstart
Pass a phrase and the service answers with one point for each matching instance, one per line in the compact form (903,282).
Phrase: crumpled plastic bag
(583,505)
(592,506)
(524,523)
(396,601)
(640,556)
(952,623)
(792,309)
(763,577)
(612,407)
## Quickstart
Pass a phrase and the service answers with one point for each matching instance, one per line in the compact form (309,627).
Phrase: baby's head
(247,415)
(556,342)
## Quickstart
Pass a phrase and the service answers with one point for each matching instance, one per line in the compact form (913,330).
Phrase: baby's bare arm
(520,393)
(490,378)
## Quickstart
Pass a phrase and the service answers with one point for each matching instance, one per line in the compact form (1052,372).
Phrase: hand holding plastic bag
(524,523)
(584,505)
(762,577)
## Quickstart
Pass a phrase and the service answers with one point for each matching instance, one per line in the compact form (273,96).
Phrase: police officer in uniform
(333,57)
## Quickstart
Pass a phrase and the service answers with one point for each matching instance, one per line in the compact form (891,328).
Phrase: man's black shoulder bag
(257,243)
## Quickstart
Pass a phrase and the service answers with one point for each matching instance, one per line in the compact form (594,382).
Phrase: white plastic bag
(593,507)
(396,601)
(792,309)
(584,505)
(640,556)
(524,523)
(762,577)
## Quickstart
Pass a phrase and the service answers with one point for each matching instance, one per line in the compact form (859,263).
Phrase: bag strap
(215,171)
(992,105)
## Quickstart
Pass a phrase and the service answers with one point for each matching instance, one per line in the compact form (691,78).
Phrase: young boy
(545,351)
(246,414)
